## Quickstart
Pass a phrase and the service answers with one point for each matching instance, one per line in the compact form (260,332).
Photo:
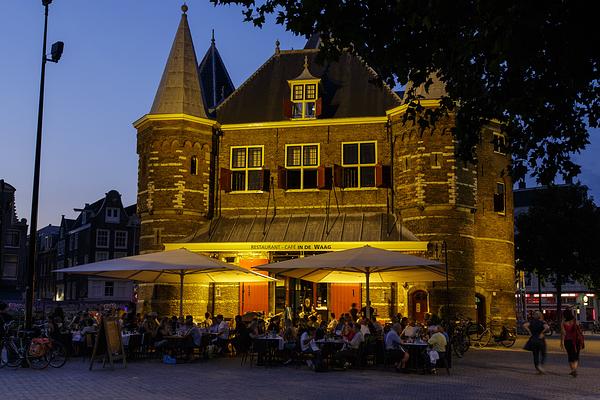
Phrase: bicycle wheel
(58,355)
(37,359)
(10,354)
(483,339)
(509,340)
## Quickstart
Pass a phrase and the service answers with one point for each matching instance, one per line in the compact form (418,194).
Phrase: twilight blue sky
(115,51)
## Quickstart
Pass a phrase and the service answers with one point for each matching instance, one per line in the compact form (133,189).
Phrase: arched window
(194,165)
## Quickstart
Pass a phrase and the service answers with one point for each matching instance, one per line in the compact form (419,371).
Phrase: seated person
(394,347)
(207,323)
(241,341)
(273,325)
(312,321)
(437,343)
(412,330)
(332,324)
(164,329)
(349,354)
(222,332)
(309,346)
(364,328)
(192,335)
(89,327)
(363,311)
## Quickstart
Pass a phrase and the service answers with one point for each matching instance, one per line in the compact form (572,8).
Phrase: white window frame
(109,285)
(112,215)
(246,169)
(101,256)
(100,246)
(303,167)
(359,165)
(124,246)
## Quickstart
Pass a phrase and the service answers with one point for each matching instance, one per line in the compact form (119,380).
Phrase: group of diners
(341,343)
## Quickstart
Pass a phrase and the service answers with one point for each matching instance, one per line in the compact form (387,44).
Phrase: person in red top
(569,335)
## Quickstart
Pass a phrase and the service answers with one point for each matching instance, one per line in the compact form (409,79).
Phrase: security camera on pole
(56,53)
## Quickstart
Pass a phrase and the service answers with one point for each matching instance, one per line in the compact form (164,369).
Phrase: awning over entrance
(355,227)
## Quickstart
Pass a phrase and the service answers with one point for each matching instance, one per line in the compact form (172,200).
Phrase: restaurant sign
(209,247)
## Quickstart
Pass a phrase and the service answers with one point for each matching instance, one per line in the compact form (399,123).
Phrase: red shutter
(265,176)
(287,108)
(282,177)
(319,107)
(225,180)
(378,175)
(321,183)
(338,176)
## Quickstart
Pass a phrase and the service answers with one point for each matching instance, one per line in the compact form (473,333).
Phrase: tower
(174,144)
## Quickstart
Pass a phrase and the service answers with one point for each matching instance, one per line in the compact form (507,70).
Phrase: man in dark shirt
(353,312)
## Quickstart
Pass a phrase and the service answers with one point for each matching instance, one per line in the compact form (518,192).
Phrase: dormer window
(304,102)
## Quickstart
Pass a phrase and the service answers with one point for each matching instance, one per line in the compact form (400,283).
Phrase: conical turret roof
(214,78)
(179,91)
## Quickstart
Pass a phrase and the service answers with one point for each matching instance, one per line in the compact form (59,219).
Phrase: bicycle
(481,336)
(58,352)
(23,347)
(459,341)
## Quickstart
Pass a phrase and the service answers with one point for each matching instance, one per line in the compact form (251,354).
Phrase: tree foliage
(557,237)
(534,66)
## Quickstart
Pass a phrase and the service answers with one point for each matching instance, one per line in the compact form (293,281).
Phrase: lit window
(113,215)
(304,100)
(246,168)
(120,239)
(302,161)
(500,199)
(499,142)
(194,165)
(358,161)
(102,238)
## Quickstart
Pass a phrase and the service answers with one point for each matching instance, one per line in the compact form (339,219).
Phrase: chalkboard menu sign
(109,343)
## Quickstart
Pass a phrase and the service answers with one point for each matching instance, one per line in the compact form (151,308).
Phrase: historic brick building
(304,158)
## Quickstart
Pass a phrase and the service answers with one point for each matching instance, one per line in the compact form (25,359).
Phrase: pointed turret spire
(179,91)
(214,78)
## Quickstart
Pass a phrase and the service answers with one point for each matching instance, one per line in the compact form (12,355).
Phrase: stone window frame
(360,165)
(245,169)
(499,142)
(436,159)
(302,168)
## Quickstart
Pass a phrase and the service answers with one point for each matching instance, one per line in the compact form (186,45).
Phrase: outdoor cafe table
(266,347)
(329,347)
(417,355)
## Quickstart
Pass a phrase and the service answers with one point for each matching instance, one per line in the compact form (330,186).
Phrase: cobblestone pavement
(482,374)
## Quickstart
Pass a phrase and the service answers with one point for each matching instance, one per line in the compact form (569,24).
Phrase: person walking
(537,329)
(571,340)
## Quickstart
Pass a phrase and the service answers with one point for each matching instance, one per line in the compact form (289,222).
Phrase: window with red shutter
(321,181)
(287,108)
(319,107)
(338,176)
(281,178)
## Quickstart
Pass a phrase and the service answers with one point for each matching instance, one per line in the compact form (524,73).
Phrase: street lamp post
(56,52)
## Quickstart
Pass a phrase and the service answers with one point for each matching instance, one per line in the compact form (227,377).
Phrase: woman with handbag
(571,340)
(537,329)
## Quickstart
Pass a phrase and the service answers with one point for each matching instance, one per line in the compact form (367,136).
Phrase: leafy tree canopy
(558,235)
(533,66)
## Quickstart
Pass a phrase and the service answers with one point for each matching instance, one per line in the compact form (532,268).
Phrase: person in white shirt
(222,332)
(411,331)
(349,354)
(309,346)
(394,348)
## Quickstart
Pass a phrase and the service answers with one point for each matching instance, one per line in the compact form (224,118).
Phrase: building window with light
(301,164)
(304,100)
(358,162)
(247,168)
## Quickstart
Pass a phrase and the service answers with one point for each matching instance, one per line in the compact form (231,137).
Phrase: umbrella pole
(181,276)
(368,313)
(447,285)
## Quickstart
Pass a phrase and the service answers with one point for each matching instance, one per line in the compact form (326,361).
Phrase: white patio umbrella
(173,266)
(361,265)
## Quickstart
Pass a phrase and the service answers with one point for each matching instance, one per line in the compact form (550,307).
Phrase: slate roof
(305,228)
(347,88)
(214,78)
(179,89)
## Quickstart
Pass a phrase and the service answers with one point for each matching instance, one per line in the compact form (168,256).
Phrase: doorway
(480,307)
(419,305)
